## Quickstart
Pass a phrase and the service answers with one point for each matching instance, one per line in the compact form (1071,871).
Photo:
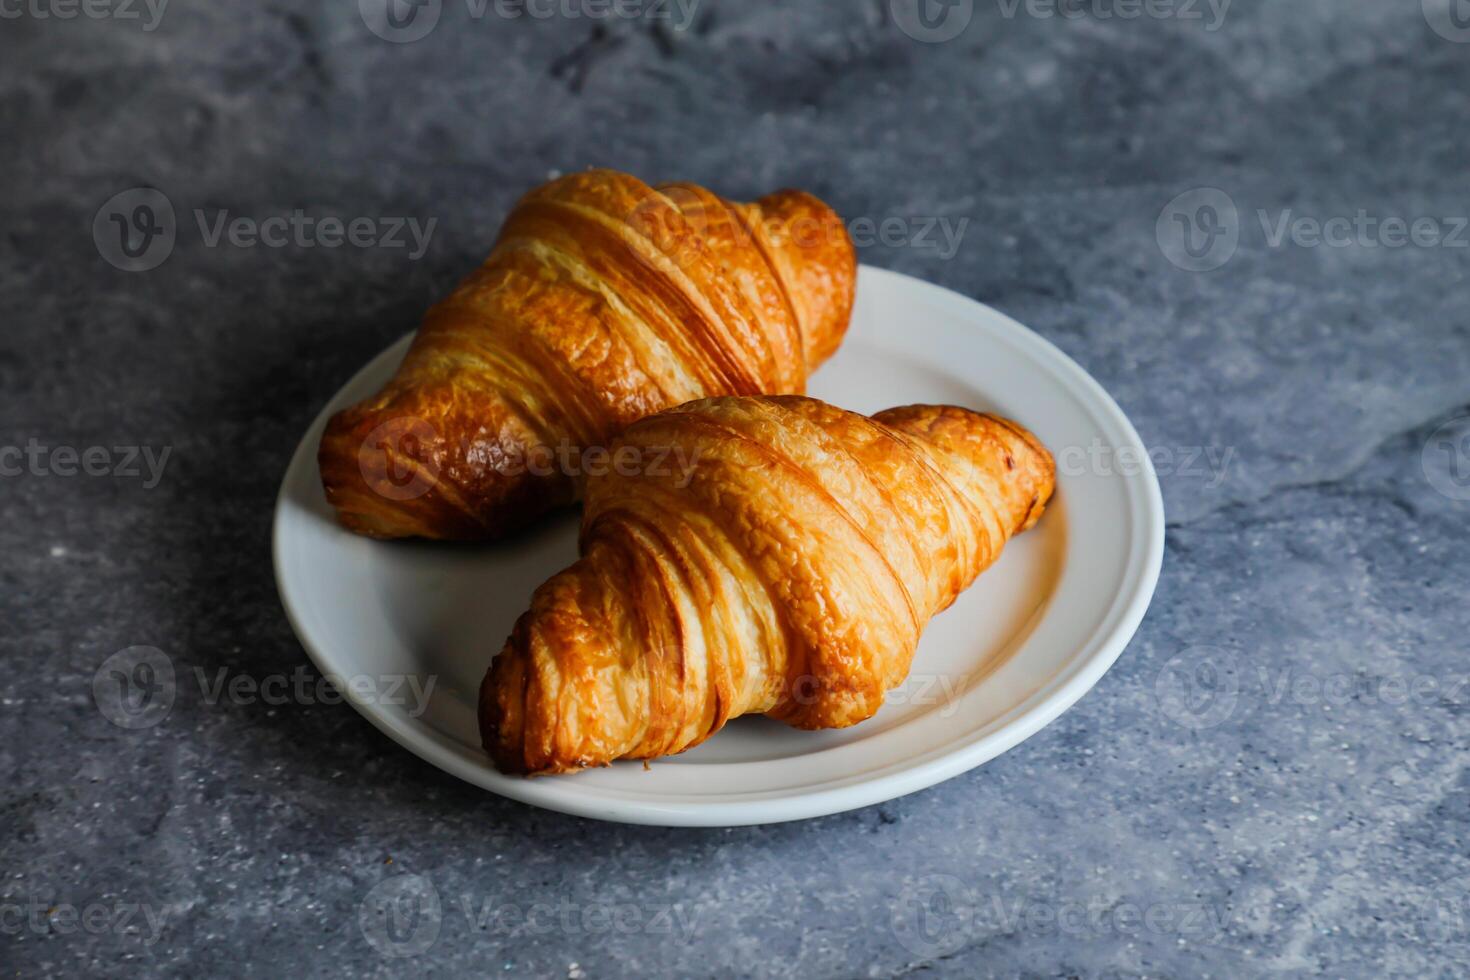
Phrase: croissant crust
(604,300)
(768,555)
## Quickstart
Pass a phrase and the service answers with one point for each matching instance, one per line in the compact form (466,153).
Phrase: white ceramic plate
(1019,648)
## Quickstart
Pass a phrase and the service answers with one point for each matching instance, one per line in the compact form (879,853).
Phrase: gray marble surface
(1272,780)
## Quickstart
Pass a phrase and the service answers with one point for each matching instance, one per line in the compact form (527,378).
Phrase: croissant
(604,300)
(771,555)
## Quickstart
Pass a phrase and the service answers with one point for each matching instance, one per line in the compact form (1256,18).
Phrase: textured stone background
(1299,814)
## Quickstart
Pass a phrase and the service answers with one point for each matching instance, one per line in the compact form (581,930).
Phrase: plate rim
(928,768)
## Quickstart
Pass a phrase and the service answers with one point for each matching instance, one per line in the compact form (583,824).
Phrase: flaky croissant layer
(789,571)
(604,300)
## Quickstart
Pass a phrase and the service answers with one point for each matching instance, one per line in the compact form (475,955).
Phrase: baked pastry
(604,300)
(773,556)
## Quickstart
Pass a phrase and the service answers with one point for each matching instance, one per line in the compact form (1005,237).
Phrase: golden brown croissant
(755,555)
(604,300)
